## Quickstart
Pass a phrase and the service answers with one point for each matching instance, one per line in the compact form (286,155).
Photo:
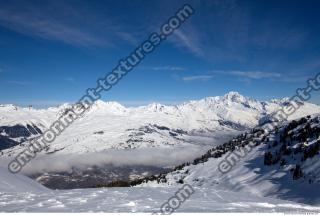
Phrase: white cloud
(189,40)
(248,76)
(255,74)
(197,78)
(168,68)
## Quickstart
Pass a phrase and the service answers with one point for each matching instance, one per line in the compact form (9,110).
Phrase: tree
(268,158)
(297,172)
(283,162)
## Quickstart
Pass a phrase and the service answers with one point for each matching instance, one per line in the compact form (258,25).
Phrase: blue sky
(52,51)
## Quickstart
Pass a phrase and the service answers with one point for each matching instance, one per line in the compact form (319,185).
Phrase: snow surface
(18,183)
(20,194)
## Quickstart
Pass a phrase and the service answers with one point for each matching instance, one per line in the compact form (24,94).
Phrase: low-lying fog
(67,171)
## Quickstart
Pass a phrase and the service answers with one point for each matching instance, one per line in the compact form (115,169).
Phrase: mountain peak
(234,97)
(233,93)
(155,106)
(8,107)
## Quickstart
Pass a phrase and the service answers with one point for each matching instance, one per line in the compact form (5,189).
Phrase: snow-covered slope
(11,183)
(283,164)
(147,200)
(20,194)
(109,125)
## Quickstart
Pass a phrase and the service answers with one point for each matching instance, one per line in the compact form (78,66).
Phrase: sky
(52,51)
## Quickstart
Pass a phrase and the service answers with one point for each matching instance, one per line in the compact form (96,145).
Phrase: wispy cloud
(229,32)
(255,74)
(188,39)
(166,68)
(292,78)
(128,37)
(305,65)
(197,78)
(47,29)
(71,79)
(60,21)
(22,83)
(249,76)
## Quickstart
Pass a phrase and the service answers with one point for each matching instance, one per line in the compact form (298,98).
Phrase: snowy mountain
(109,125)
(284,163)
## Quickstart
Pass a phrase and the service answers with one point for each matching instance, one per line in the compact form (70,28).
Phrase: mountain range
(109,125)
